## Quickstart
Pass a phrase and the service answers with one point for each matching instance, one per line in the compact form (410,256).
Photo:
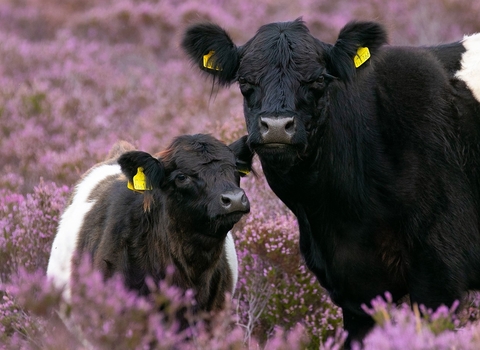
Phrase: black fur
(450,55)
(380,165)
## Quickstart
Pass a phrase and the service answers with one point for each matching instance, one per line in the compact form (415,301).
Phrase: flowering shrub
(98,318)
(27,225)
(76,76)
(402,328)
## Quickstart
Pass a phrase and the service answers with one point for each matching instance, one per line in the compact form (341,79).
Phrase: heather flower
(405,327)
(27,227)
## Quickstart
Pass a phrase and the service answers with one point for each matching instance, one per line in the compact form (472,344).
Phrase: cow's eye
(246,86)
(181,180)
(318,83)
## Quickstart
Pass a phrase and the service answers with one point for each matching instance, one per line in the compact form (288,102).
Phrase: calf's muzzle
(234,201)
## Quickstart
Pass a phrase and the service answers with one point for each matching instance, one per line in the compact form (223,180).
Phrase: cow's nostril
(226,200)
(263,127)
(290,126)
(244,200)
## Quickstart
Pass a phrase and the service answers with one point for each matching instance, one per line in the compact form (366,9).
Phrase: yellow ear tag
(363,54)
(244,172)
(207,63)
(139,181)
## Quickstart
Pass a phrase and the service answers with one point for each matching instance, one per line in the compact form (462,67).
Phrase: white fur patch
(470,71)
(232,259)
(63,247)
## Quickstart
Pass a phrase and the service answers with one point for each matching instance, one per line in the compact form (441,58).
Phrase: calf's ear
(356,44)
(243,154)
(212,50)
(142,170)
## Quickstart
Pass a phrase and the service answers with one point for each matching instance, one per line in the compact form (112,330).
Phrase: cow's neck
(195,255)
(197,264)
(336,174)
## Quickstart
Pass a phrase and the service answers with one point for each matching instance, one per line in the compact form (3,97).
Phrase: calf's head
(284,75)
(197,179)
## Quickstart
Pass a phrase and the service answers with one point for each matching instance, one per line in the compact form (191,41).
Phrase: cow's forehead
(287,46)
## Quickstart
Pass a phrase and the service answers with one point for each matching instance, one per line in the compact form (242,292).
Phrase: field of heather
(76,76)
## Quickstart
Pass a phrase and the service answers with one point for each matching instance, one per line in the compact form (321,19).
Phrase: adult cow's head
(284,74)
(197,178)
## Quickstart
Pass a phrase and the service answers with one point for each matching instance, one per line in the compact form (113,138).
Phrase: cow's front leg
(357,325)
(432,283)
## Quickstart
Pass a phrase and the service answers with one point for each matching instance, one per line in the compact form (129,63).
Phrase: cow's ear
(243,155)
(143,171)
(356,44)
(211,49)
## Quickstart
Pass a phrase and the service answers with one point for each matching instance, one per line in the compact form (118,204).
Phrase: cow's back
(72,220)
(461,60)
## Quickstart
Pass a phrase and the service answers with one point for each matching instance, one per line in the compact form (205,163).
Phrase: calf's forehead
(204,159)
(214,169)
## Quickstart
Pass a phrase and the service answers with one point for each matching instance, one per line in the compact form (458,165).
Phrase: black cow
(177,210)
(375,149)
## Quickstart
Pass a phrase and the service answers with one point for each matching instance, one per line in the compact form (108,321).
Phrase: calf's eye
(318,83)
(181,179)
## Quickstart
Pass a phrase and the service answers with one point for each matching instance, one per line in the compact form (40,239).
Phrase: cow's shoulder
(408,64)
(449,55)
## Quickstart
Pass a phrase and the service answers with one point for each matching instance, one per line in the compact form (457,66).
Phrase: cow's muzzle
(234,201)
(277,130)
